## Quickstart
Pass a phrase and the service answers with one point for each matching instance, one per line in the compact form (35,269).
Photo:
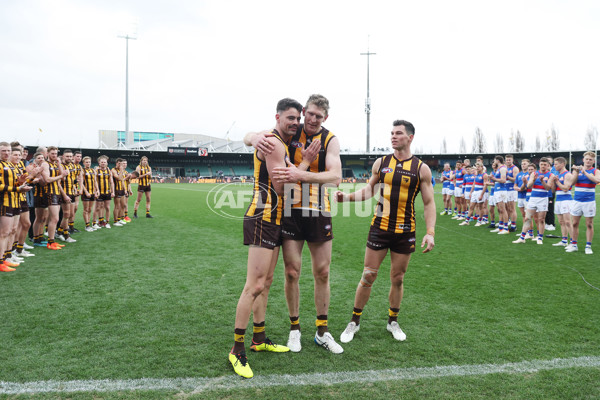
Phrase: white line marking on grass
(231,381)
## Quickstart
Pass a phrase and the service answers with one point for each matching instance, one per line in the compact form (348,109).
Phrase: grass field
(147,310)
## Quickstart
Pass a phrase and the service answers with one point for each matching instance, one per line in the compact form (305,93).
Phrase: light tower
(368,100)
(127,36)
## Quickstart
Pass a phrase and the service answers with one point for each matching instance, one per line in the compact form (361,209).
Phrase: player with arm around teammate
(563,200)
(400,177)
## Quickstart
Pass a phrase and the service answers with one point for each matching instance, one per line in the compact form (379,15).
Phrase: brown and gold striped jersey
(316,197)
(103,176)
(265,204)
(70,181)
(9,186)
(88,180)
(145,181)
(399,185)
(53,187)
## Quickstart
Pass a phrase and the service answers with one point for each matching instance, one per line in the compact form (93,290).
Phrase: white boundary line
(199,385)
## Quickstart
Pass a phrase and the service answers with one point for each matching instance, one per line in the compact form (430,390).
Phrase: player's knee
(292,272)
(368,277)
(321,273)
(397,279)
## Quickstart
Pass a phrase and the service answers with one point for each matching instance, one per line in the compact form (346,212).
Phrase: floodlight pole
(127,38)
(368,100)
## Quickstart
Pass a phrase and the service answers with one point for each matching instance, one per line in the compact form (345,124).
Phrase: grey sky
(200,66)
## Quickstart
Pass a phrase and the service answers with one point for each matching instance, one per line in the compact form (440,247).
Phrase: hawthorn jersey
(265,204)
(399,185)
(310,195)
(145,181)
(9,185)
(118,182)
(54,171)
(70,181)
(103,176)
(88,180)
(20,171)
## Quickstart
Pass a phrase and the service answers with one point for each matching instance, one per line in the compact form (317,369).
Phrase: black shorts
(9,211)
(402,243)
(261,233)
(72,197)
(143,188)
(24,206)
(40,202)
(312,227)
(86,198)
(54,199)
(119,194)
(104,197)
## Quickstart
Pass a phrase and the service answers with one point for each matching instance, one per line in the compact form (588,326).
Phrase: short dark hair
(499,158)
(544,159)
(286,104)
(67,151)
(410,128)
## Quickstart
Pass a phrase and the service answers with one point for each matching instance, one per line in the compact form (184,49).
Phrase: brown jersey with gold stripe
(70,180)
(20,171)
(145,181)
(88,180)
(103,177)
(53,187)
(118,182)
(265,204)
(399,185)
(9,186)
(310,195)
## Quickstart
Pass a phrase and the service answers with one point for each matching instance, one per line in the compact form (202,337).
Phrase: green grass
(157,298)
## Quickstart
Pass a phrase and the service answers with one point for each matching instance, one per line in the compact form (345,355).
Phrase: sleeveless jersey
(538,189)
(103,177)
(511,172)
(317,196)
(9,185)
(52,188)
(20,171)
(521,194)
(478,182)
(499,187)
(562,195)
(145,181)
(459,177)
(399,185)
(446,183)
(585,189)
(118,182)
(468,182)
(70,180)
(88,180)
(265,204)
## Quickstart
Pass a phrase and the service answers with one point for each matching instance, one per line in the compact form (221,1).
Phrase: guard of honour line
(532,190)
(304,155)
(50,184)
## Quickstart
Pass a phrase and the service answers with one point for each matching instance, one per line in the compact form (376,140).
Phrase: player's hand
(261,142)
(112,194)
(24,188)
(289,174)
(67,199)
(311,152)
(340,196)
(429,241)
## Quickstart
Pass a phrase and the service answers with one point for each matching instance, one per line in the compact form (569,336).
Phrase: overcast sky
(207,67)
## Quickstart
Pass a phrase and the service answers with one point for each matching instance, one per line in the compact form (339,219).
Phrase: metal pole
(368,101)
(126,86)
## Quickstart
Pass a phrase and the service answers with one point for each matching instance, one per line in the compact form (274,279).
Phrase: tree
(511,141)
(463,146)
(519,142)
(444,147)
(552,141)
(499,143)
(478,141)
(590,141)
(538,143)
